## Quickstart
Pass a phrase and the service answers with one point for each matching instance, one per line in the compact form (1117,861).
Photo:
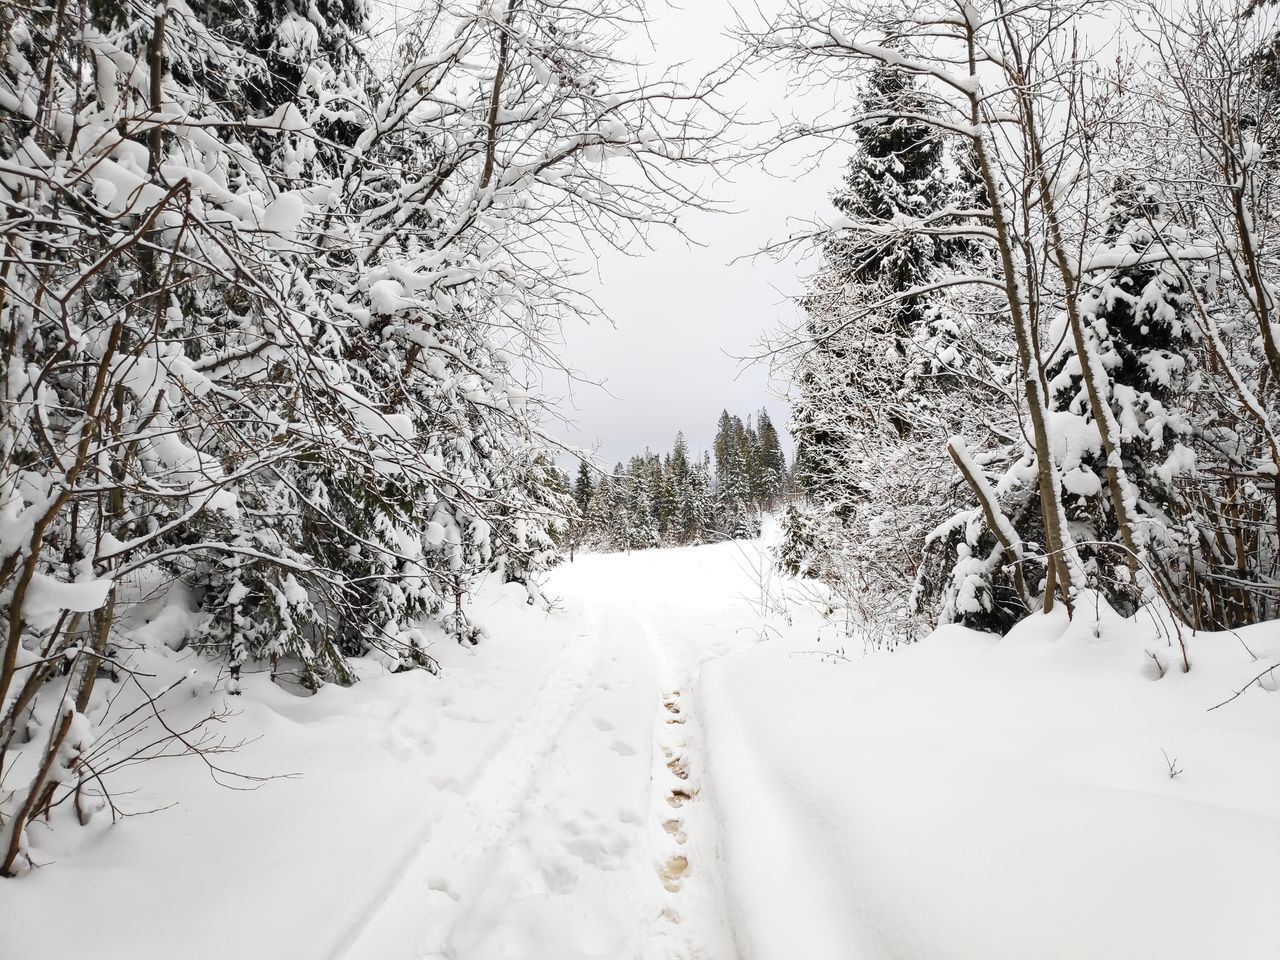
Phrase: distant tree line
(677,498)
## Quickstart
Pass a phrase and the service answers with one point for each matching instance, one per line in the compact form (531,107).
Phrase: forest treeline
(681,498)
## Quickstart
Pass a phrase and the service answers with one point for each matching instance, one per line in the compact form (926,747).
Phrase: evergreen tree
(860,318)
(870,415)
(582,489)
(643,486)
(725,446)
(698,515)
(670,500)
(752,464)
(1140,318)
(600,531)
(772,463)
(737,516)
(679,491)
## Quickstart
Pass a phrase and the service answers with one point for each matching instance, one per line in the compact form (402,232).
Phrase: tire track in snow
(490,804)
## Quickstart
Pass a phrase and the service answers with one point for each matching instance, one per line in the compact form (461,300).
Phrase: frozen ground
(656,770)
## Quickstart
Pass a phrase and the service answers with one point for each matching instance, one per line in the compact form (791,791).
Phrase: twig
(1256,679)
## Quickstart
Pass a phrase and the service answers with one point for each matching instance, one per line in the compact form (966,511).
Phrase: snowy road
(588,833)
(681,790)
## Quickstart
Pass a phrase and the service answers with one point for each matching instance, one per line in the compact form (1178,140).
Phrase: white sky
(683,313)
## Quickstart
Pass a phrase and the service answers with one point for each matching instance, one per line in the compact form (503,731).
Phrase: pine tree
(698,515)
(738,519)
(622,510)
(724,445)
(861,319)
(870,416)
(643,487)
(678,485)
(752,465)
(600,517)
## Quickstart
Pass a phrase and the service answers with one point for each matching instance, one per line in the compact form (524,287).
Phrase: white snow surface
(656,768)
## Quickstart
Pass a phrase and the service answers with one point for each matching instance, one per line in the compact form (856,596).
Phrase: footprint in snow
(602,724)
(441,885)
(675,829)
(672,871)
(679,797)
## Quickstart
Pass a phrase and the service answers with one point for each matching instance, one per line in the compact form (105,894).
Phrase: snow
(974,797)
(387,297)
(283,217)
(287,119)
(379,424)
(293,867)
(655,768)
(46,598)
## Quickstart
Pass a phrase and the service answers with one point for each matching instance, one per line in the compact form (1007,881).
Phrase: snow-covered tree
(869,406)
(1091,413)
(265,298)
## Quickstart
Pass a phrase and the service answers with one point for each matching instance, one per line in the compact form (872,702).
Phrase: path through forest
(589,831)
(678,789)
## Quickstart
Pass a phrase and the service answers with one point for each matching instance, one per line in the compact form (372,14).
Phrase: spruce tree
(1140,318)
(868,436)
(678,485)
(860,316)
(773,462)
(698,516)
(582,488)
(600,530)
(724,445)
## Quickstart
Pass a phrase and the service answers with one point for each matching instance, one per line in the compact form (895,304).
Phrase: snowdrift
(1063,792)
(360,779)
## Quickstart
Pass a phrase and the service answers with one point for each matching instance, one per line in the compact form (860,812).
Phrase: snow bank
(980,798)
(294,866)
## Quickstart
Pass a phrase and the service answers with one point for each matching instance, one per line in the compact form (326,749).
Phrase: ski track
(493,798)
(588,831)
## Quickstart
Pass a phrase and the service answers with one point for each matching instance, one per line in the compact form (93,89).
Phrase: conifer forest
(681,498)
(627,480)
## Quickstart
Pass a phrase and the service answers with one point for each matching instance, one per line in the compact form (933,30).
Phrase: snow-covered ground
(657,769)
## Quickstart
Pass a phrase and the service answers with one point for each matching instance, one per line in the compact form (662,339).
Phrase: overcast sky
(684,313)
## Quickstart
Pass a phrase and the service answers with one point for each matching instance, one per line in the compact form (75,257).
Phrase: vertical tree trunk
(1091,372)
(1058,547)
